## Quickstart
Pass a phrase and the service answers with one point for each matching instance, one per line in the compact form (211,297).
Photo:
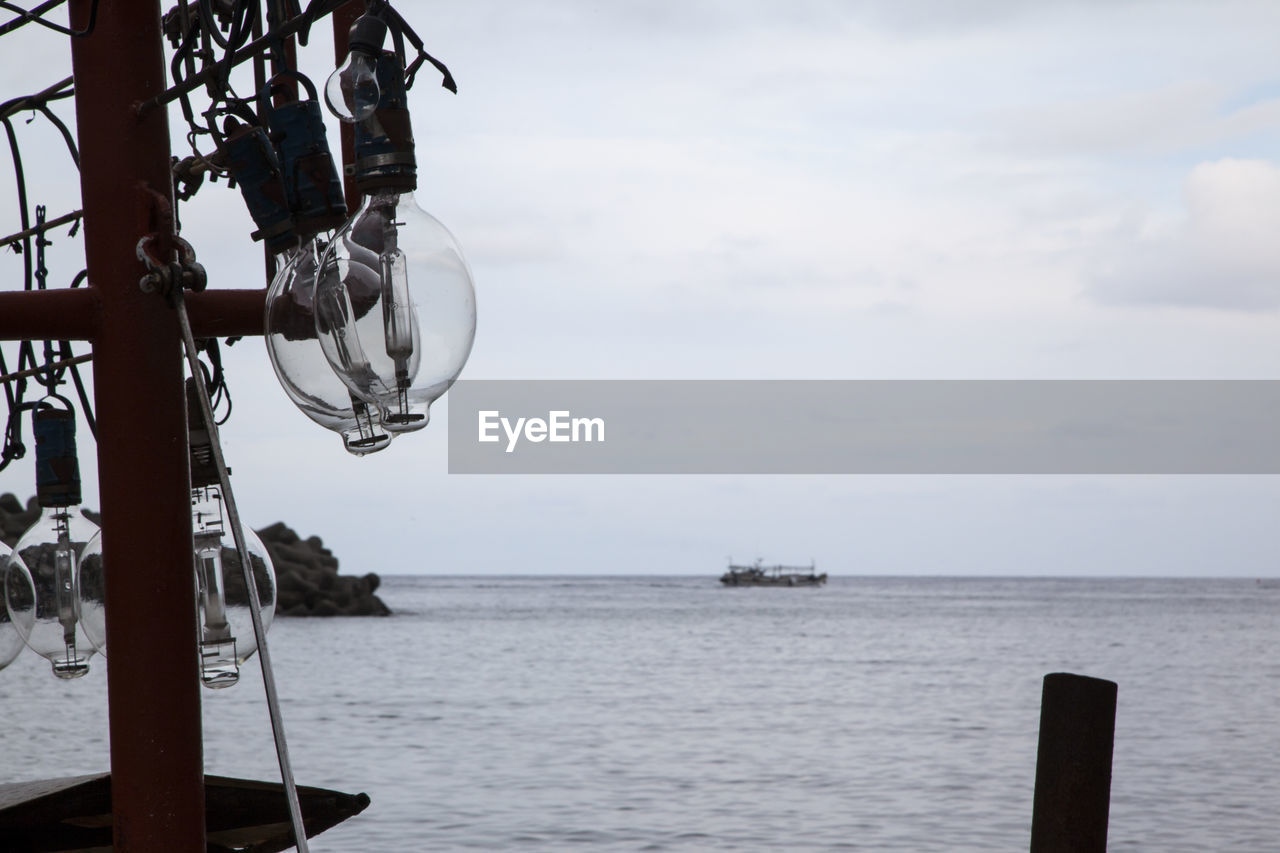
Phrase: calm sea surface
(671,714)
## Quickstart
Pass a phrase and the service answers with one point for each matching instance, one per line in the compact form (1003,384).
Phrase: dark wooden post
(1073,765)
(153,684)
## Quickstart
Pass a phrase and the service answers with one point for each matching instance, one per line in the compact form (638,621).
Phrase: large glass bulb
(352,89)
(224,634)
(10,639)
(300,363)
(42,589)
(395,308)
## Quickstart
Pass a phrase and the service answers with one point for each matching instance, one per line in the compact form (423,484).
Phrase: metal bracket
(163,275)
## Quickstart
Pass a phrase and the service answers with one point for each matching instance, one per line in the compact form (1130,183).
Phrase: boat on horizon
(758,574)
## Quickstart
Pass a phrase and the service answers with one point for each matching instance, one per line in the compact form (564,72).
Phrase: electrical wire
(52,373)
(33,16)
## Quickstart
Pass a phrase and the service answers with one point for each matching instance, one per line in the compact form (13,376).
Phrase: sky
(1065,189)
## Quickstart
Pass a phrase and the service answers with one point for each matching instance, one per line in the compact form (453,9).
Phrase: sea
(671,714)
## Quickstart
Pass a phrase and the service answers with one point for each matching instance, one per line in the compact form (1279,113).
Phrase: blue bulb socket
(255,166)
(312,187)
(57,467)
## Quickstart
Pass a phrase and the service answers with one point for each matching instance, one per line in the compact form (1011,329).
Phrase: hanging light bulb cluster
(291,187)
(47,603)
(395,304)
(368,325)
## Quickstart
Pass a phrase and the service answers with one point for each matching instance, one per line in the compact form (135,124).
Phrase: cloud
(1223,254)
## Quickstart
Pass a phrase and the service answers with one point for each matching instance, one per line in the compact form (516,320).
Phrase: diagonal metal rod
(45,368)
(255,604)
(43,226)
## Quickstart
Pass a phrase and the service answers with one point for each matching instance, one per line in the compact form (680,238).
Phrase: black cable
(35,276)
(20,182)
(32,16)
(239,33)
(12,448)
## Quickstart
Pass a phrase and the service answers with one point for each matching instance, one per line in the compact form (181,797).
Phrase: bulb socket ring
(375,161)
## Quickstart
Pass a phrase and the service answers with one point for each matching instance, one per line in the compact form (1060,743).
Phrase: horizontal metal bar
(227,313)
(65,314)
(36,229)
(72,314)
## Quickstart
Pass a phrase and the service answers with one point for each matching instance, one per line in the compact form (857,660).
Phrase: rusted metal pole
(1073,765)
(152,676)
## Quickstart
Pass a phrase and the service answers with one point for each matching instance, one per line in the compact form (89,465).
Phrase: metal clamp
(162,275)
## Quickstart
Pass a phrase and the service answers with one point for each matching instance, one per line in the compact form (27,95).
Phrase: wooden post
(1073,765)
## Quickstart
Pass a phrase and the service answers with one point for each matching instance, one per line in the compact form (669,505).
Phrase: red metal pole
(152,674)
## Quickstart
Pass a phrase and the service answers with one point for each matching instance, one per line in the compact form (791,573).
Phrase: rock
(307,579)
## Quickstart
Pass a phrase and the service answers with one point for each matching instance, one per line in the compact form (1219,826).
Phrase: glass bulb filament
(218,663)
(63,580)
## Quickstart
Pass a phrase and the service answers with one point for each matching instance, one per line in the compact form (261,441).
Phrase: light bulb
(395,308)
(352,90)
(10,639)
(224,633)
(300,362)
(42,589)
(42,584)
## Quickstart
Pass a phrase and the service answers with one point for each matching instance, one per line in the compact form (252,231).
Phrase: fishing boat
(758,574)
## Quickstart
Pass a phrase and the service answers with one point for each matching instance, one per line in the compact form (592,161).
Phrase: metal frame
(153,683)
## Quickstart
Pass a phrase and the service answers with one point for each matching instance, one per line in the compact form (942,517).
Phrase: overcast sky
(807,190)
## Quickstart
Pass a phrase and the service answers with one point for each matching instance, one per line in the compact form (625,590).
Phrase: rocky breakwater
(307,579)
